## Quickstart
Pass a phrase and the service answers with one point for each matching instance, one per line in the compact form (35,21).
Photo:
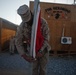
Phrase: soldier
(23,36)
(12,45)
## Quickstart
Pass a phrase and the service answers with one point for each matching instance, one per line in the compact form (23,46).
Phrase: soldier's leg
(35,68)
(43,64)
(10,49)
(13,48)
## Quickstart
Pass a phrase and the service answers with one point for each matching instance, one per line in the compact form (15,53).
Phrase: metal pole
(63,31)
(33,35)
(34,30)
(74,1)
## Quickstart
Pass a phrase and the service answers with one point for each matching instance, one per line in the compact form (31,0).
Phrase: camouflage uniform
(24,35)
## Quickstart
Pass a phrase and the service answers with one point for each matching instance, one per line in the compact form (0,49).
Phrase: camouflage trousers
(39,67)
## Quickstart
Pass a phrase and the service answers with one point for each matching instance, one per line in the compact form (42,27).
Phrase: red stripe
(39,36)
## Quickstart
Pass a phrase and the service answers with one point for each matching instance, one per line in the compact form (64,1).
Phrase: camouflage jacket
(23,36)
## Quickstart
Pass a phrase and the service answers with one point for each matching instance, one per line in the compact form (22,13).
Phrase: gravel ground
(15,65)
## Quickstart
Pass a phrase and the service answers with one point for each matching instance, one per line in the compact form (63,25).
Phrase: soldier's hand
(28,58)
(39,54)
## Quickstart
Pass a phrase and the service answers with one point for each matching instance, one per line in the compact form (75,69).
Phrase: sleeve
(46,35)
(19,42)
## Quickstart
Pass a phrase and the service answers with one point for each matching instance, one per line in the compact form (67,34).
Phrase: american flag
(36,36)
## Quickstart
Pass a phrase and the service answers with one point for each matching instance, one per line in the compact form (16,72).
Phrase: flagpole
(34,30)
(33,35)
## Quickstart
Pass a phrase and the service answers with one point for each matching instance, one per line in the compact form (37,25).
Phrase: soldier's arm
(46,35)
(19,42)
(20,47)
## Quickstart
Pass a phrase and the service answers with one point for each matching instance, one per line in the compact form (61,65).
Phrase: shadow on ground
(15,65)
